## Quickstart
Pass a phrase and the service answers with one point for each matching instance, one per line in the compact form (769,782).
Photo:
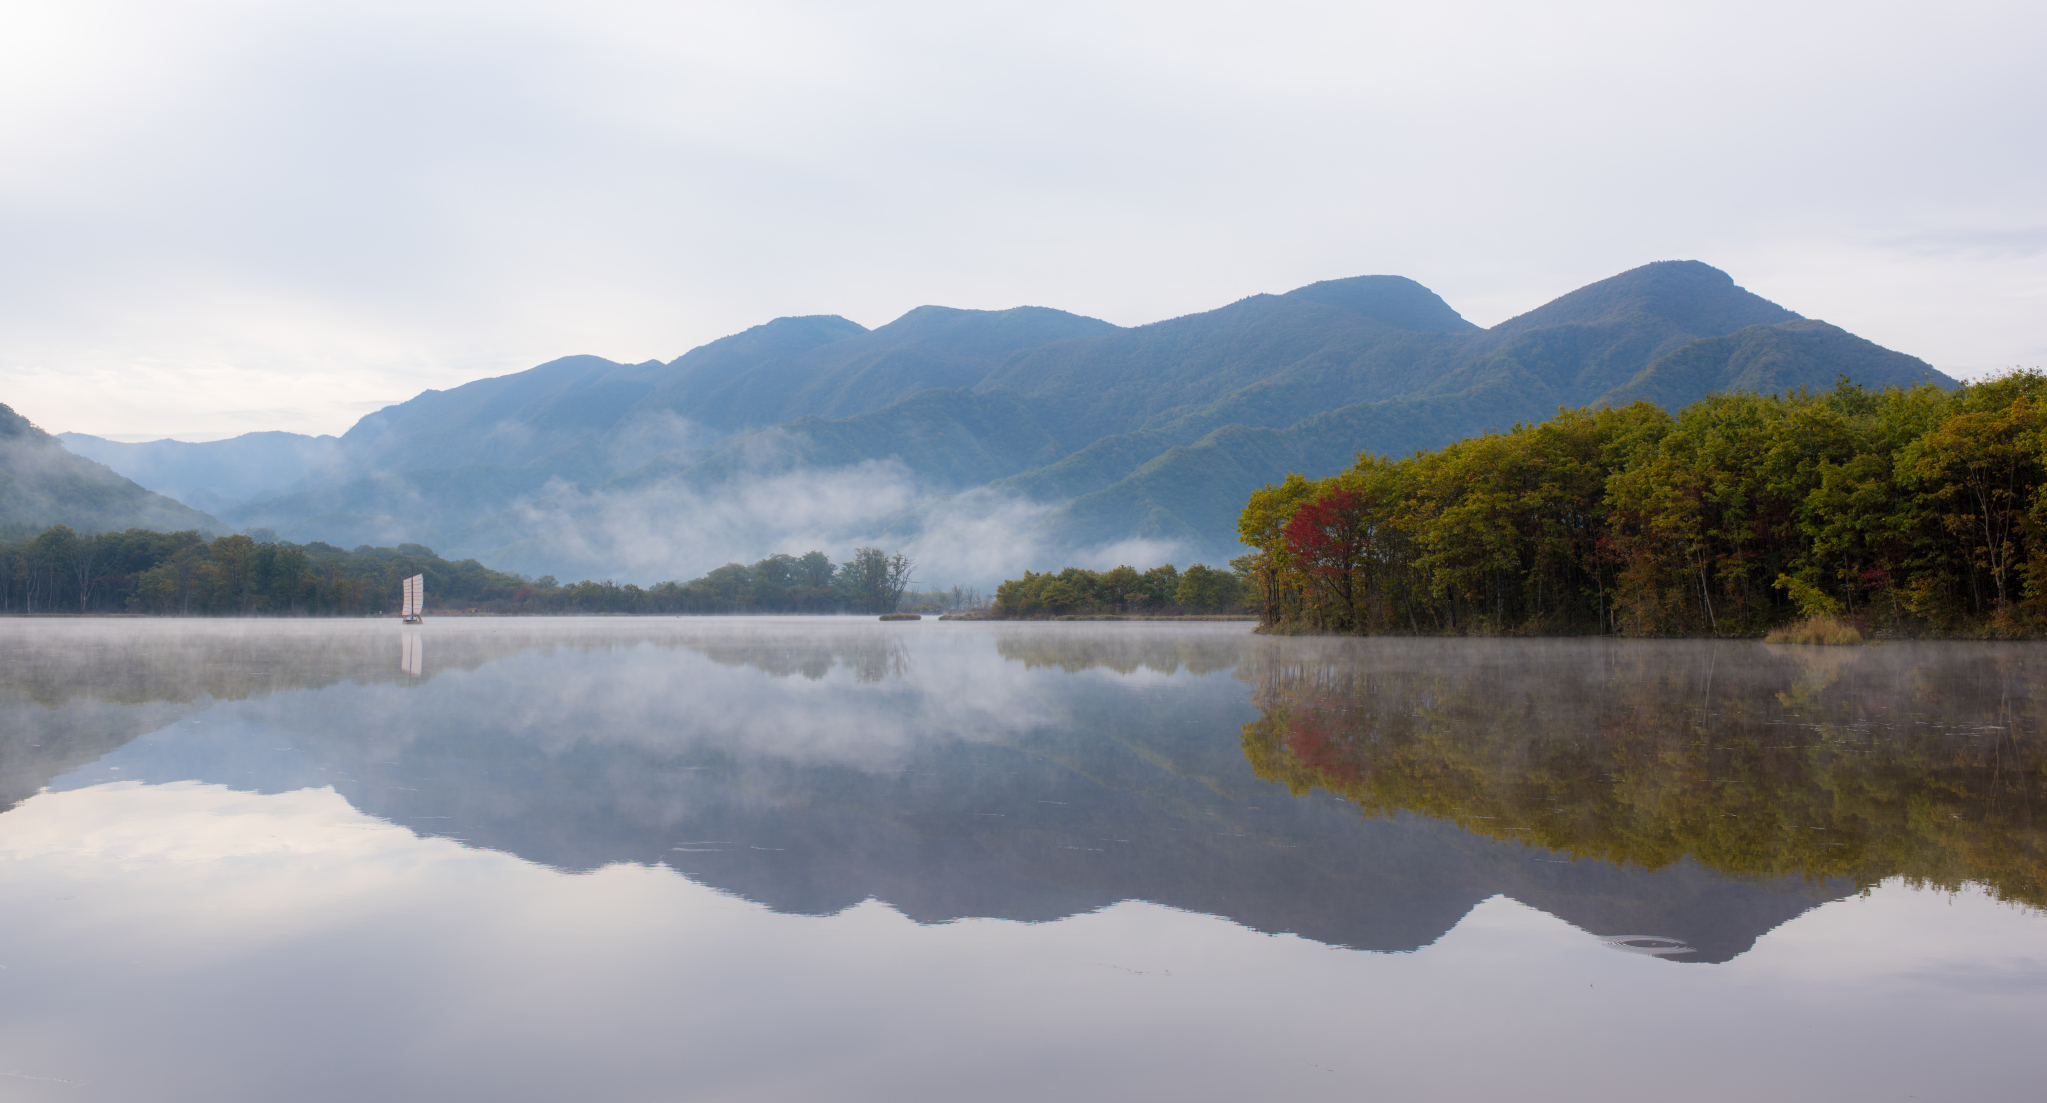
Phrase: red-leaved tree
(1328,539)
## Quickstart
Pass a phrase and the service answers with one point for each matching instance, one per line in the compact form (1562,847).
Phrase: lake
(835,859)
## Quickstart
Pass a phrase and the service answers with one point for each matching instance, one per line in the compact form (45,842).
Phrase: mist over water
(833,858)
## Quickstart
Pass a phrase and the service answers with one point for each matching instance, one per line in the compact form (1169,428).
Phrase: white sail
(415,597)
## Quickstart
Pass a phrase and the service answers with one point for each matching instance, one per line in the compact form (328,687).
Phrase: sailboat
(414,610)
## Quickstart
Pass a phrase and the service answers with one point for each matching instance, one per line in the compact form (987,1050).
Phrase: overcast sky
(221,217)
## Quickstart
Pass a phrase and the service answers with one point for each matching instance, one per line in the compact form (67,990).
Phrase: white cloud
(679,530)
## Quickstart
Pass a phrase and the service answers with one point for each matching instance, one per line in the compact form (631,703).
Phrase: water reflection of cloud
(859,701)
(814,691)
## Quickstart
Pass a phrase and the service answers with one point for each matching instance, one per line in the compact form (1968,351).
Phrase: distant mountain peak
(1394,300)
(791,335)
(1688,295)
(991,332)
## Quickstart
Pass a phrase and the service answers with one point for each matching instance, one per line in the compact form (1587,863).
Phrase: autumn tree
(1327,536)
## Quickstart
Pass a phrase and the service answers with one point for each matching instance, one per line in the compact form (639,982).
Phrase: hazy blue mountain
(931,346)
(939,441)
(428,506)
(42,484)
(1770,358)
(1309,351)
(558,411)
(212,475)
(1154,432)
(1598,337)
(1395,300)
(585,417)
(954,439)
(947,440)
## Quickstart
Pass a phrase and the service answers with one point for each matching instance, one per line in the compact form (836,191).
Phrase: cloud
(2006,242)
(650,433)
(672,529)
(675,529)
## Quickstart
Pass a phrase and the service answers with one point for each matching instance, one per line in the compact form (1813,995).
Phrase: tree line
(59,570)
(1161,591)
(1916,511)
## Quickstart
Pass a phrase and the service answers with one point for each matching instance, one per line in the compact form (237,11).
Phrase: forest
(183,574)
(1902,511)
(1161,591)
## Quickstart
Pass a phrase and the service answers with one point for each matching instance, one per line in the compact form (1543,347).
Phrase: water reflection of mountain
(1055,772)
(72,691)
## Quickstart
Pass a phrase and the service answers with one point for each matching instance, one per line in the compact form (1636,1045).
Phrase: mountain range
(1046,436)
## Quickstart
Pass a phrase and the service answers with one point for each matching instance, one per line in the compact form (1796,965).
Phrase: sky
(219,217)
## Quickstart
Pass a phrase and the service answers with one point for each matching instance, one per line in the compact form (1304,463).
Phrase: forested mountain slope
(585,416)
(41,484)
(1325,344)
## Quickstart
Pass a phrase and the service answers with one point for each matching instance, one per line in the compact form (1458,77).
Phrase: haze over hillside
(214,475)
(990,441)
(41,484)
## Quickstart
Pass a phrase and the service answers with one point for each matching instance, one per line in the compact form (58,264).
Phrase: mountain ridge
(1170,423)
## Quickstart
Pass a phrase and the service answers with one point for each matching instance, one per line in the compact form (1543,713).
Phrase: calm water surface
(830,859)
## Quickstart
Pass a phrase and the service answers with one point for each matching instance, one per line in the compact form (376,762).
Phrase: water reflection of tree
(130,662)
(1920,761)
(189,661)
(1125,652)
(871,658)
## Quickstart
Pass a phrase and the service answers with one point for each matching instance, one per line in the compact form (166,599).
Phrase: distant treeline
(182,573)
(1913,511)
(1160,591)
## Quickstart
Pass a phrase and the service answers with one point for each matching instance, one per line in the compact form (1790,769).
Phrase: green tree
(1261,526)
(234,558)
(1982,469)
(874,580)
(1203,589)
